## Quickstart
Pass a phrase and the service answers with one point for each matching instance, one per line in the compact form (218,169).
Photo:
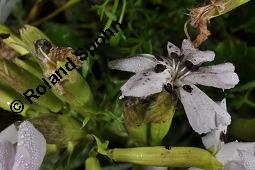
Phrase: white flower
(5,9)
(215,139)
(234,155)
(30,149)
(177,73)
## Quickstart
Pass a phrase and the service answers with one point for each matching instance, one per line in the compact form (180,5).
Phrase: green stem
(123,10)
(160,156)
(62,8)
(114,8)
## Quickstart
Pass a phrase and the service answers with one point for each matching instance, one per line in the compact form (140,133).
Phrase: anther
(174,55)
(188,64)
(159,68)
(168,87)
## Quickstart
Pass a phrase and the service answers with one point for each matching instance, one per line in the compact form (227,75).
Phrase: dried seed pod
(50,55)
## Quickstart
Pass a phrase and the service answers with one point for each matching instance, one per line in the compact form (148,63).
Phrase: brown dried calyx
(200,17)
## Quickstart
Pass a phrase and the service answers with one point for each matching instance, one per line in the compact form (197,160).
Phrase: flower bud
(160,156)
(148,120)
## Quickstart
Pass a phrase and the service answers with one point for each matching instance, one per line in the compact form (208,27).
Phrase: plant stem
(62,8)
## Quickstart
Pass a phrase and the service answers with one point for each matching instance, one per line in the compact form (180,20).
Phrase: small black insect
(159,68)
(187,88)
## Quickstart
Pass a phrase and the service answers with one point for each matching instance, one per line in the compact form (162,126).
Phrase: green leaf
(101,146)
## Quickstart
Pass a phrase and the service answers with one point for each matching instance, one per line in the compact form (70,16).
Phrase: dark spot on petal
(174,55)
(4,35)
(222,137)
(159,68)
(168,87)
(188,64)
(187,88)
(158,58)
(145,74)
(194,68)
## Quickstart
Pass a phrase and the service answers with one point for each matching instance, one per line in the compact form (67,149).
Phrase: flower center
(181,67)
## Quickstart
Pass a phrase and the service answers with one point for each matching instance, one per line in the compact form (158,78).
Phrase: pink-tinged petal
(248,159)
(214,76)
(229,152)
(194,55)
(171,48)
(31,148)
(7,154)
(145,84)
(204,115)
(134,64)
(215,138)
(10,133)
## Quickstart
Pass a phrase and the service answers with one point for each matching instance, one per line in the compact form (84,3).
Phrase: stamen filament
(184,75)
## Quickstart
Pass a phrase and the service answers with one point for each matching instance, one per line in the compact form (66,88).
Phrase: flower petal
(31,148)
(134,64)
(7,154)
(194,55)
(234,166)
(214,138)
(145,84)
(229,152)
(248,159)
(171,48)
(219,76)
(10,134)
(204,114)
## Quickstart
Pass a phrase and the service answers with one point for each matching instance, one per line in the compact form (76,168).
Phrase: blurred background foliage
(148,25)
